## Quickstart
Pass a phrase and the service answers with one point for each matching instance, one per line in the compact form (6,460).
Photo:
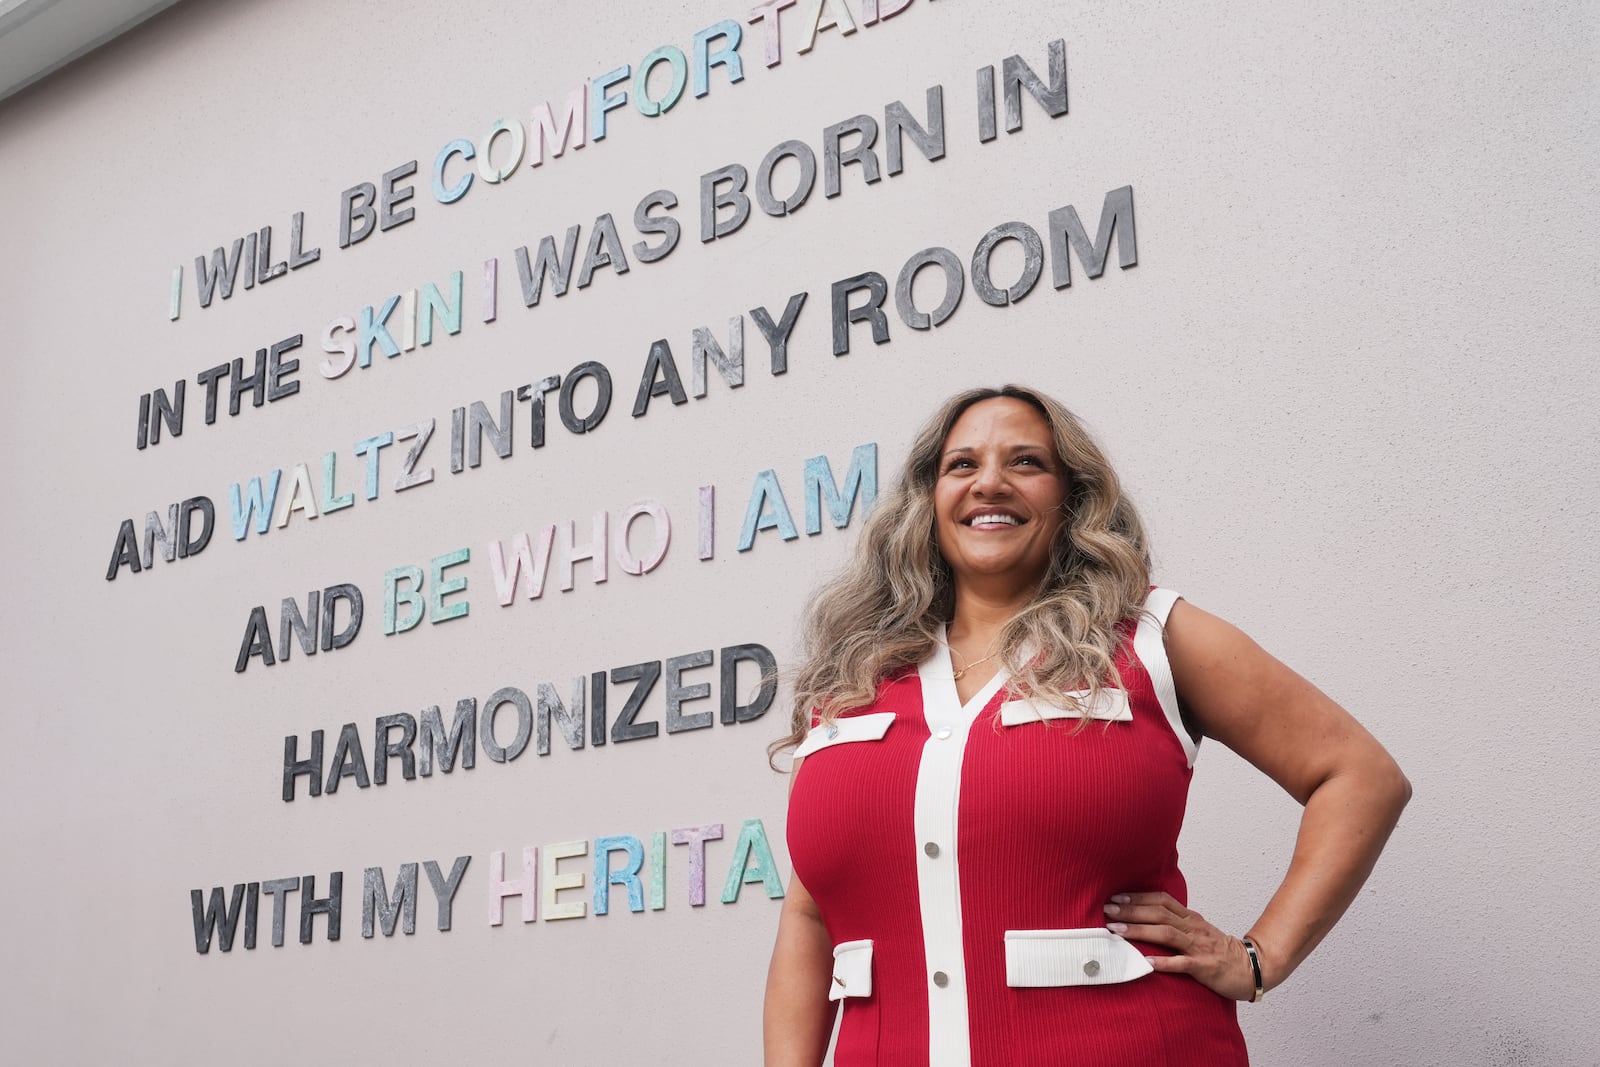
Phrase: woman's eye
(1032,460)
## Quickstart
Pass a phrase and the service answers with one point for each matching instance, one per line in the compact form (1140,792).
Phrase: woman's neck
(974,637)
(980,615)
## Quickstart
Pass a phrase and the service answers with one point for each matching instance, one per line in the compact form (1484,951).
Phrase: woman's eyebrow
(1012,449)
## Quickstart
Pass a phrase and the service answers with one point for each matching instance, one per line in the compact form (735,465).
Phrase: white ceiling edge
(39,37)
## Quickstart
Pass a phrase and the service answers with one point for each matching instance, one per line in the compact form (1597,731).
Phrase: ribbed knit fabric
(1053,819)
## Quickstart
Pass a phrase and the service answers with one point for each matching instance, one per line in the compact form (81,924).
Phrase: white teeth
(977,520)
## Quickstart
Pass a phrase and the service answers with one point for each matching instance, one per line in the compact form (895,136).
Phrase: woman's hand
(1216,960)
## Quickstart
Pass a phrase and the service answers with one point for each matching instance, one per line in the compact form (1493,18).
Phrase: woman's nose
(990,479)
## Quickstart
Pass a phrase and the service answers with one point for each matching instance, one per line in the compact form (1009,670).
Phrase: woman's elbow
(1404,790)
(1370,776)
(1390,783)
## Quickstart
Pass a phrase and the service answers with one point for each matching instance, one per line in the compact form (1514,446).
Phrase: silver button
(941,979)
(931,849)
(943,733)
(1091,968)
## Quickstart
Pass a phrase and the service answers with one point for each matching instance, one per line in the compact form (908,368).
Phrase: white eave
(38,37)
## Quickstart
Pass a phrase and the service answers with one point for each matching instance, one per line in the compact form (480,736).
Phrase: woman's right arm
(798,1016)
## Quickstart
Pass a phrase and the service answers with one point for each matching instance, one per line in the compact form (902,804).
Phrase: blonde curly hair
(883,613)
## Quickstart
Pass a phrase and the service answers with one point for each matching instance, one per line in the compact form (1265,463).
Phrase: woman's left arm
(1352,790)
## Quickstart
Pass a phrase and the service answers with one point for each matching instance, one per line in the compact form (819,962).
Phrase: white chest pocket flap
(1110,706)
(843,731)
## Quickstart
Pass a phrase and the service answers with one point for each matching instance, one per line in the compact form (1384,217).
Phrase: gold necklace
(955,676)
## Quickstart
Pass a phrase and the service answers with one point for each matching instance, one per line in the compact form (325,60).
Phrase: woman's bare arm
(797,1019)
(1351,789)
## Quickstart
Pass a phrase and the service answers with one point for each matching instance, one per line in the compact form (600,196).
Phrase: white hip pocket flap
(843,731)
(1093,956)
(1110,706)
(852,970)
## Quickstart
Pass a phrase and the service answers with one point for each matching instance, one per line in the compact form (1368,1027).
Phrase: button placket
(937,814)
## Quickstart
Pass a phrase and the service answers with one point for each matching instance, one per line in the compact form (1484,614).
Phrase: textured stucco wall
(1351,382)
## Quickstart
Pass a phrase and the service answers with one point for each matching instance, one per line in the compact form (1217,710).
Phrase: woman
(994,731)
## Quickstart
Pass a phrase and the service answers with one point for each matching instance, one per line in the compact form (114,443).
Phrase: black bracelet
(1255,967)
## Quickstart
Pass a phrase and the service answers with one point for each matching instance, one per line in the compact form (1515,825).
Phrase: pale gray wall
(1351,382)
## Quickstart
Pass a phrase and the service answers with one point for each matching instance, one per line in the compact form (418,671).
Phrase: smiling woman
(960,839)
(998,501)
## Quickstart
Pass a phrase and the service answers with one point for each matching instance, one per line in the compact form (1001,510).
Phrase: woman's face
(998,501)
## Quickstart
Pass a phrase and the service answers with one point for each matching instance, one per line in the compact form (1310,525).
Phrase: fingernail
(1121,898)
(1112,909)
(1117,928)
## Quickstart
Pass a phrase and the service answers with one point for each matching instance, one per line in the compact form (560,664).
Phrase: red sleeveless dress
(961,857)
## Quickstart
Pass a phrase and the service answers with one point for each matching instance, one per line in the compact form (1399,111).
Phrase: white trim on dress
(938,803)
(1151,649)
